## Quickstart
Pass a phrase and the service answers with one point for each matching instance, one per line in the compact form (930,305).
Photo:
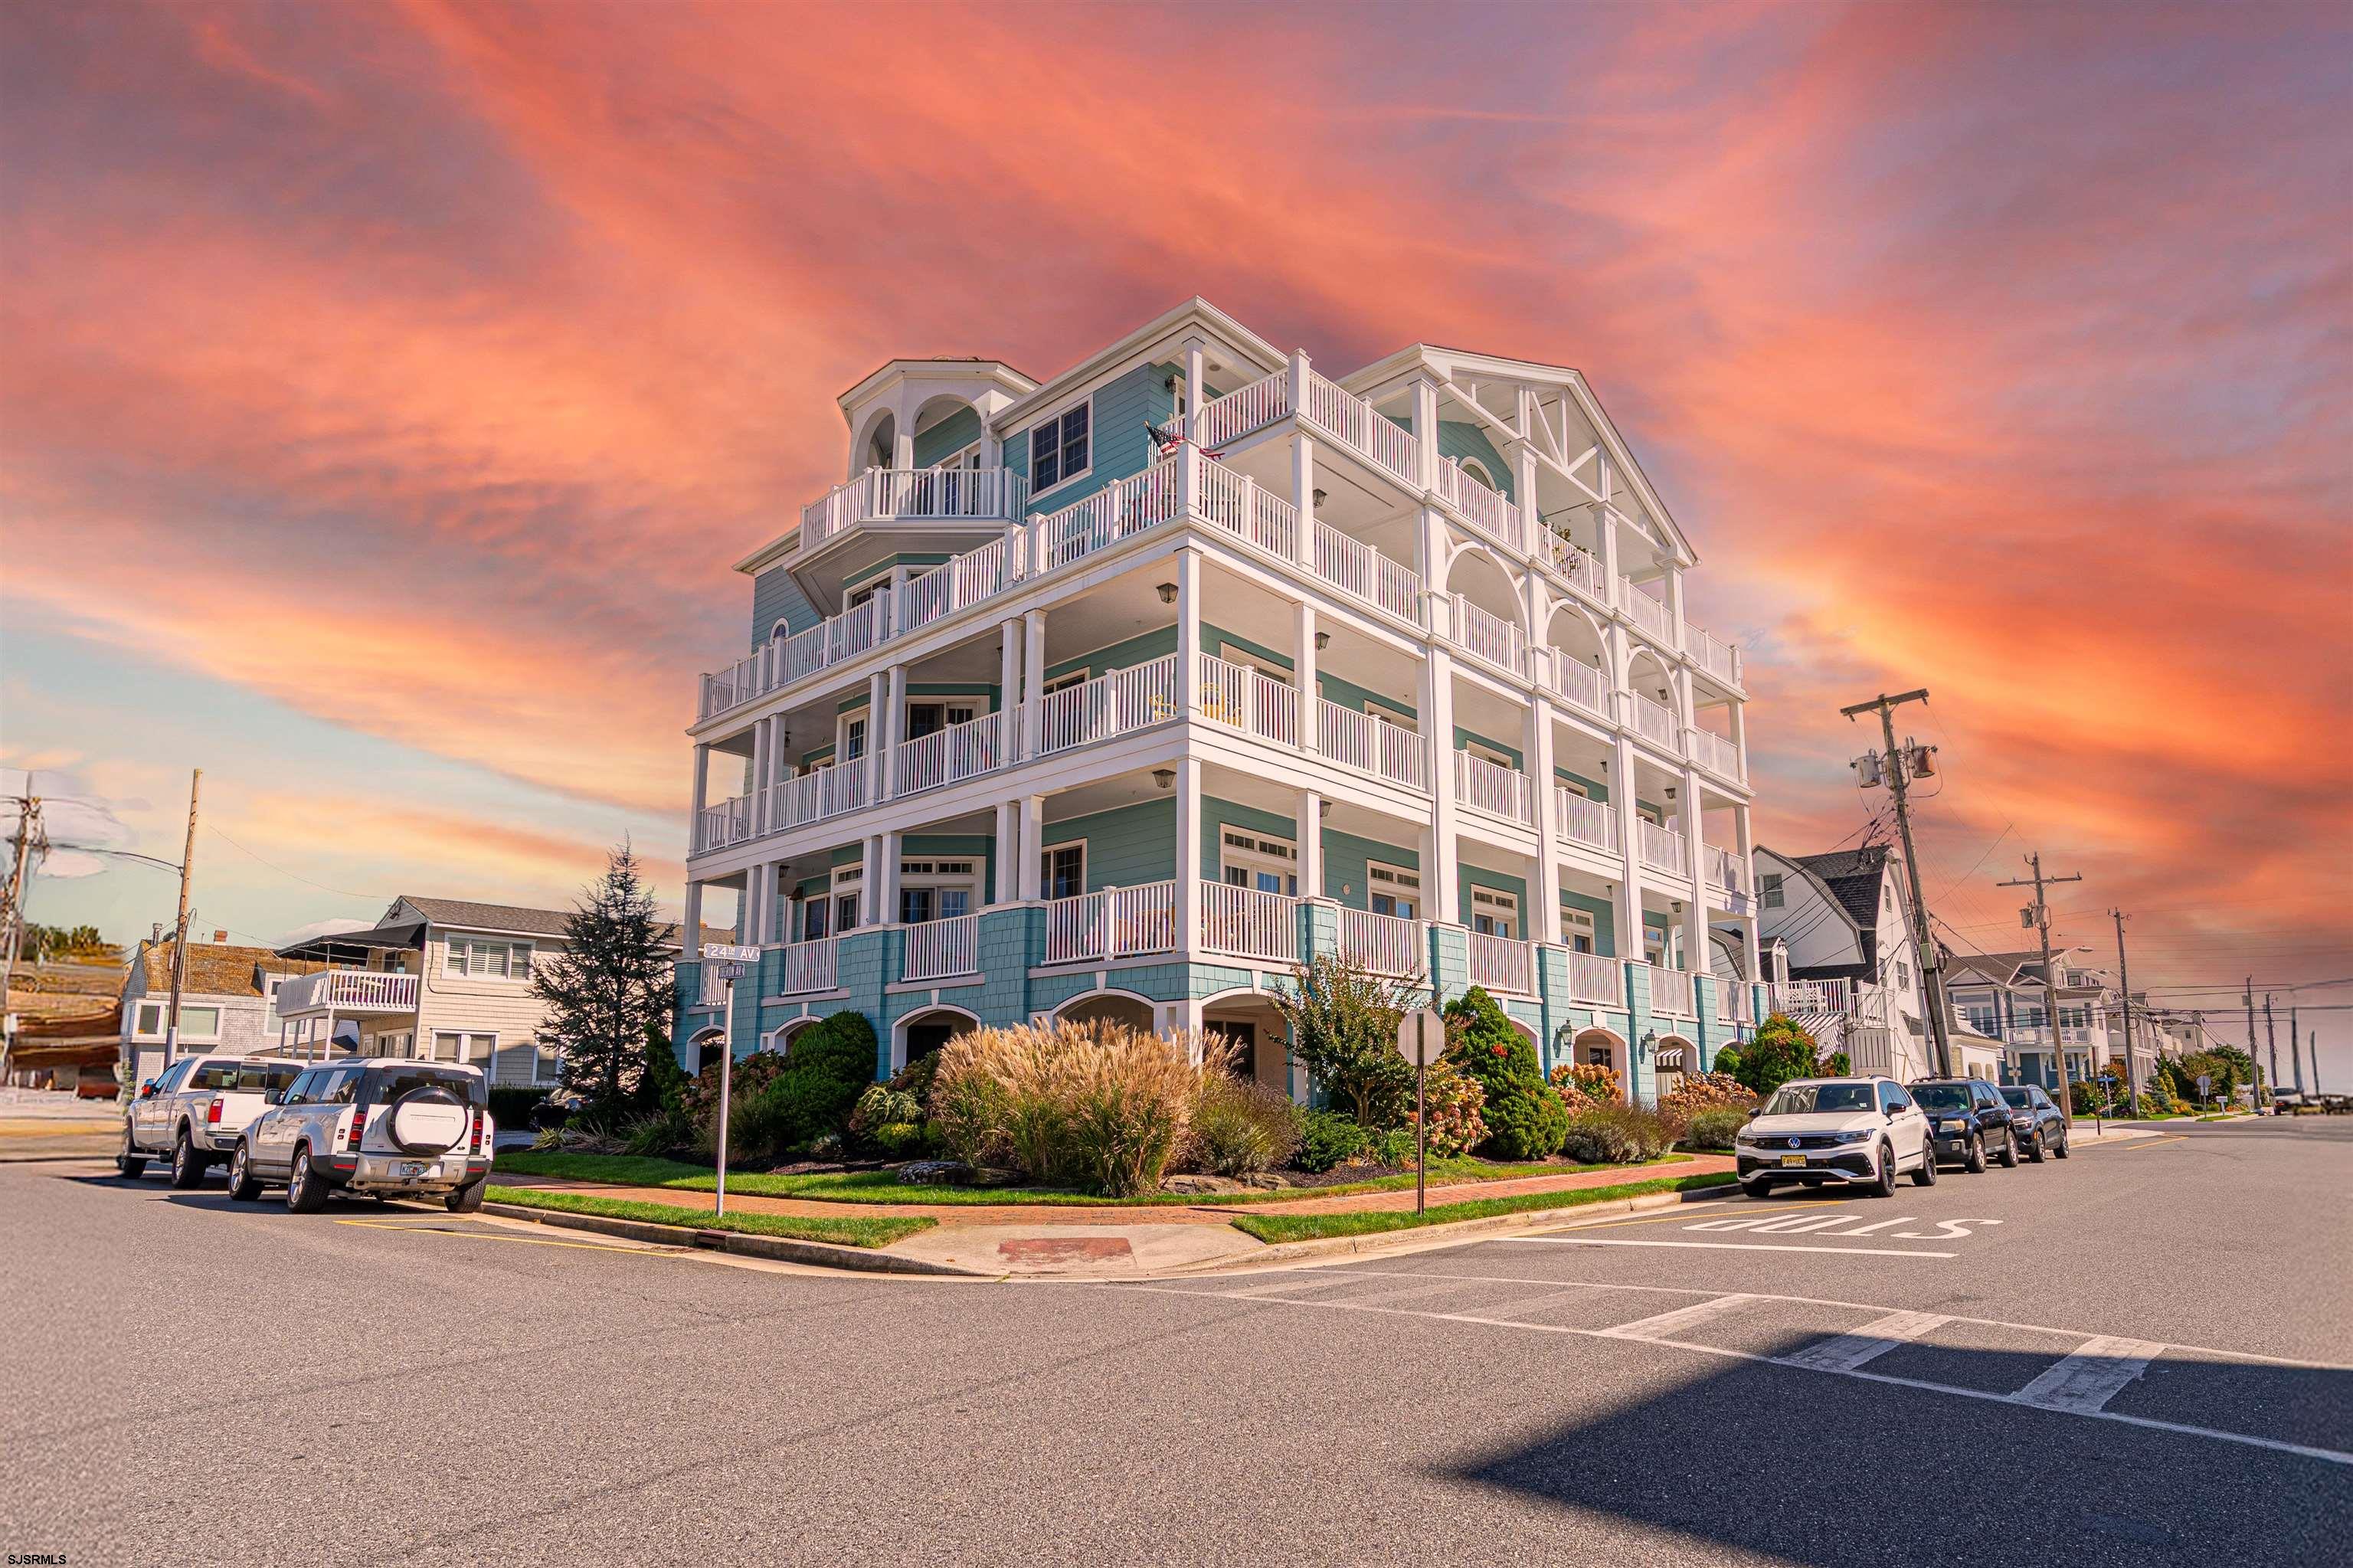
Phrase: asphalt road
(194,1380)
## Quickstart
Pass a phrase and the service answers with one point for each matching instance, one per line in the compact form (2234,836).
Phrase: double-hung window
(1064,870)
(482,957)
(1060,448)
(1769,890)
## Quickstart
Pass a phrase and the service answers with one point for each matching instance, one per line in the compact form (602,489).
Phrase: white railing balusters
(938,948)
(1110,704)
(808,966)
(1503,964)
(1390,945)
(1489,636)
(1670,992)
(1593,977)
(1488,787)
(1582,820)
(1661,848)
(1247,923)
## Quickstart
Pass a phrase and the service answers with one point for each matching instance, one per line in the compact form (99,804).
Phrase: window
(813,914)
(147,1022)
(270,985)
(1393,890)
(455,1047)
(1063,683)
(216,1075)
(1058,448)
(337,1086)
(1478,470)
(1576,928)
(1902,973)
(865,591)
(1895,1100)
(1269,865)
(401,1045)
(1062,871)
(1769,890)
(927,718)
(852,744)
(484,957)
(935,890)
(1494,912)
(299,1092)
(200,1024)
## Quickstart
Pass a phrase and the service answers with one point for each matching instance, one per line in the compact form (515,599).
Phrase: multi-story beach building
(1125,693)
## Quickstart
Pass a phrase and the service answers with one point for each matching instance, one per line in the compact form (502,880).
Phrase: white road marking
(2093,1374)
(1844,1352)
(1664,1325)
(1731,1247)
(1410,1293)
(1293,1282)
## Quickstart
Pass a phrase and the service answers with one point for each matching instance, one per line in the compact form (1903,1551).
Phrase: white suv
(1846,1131)
(387,1125)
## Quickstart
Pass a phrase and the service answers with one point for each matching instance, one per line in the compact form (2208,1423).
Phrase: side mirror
(275,1098)
(147,1090)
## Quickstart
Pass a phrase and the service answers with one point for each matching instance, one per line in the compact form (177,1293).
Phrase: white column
(1545,925)
(894,846)
(1033,847)
(1033,678)
(702,795)
(1008,852)
(1630,845)
(1607,528)
(1188,853)
(689,935)
(1437,705)
(1675,604)
(760,777)
(1310,815)
(1523,485)
(902,424)
(1425,431)
(877,698)
(1744,843)
(1195,393)
(1695,912)
(870,880)
(1303,670)
(1303,494)
(1739,714)
(1299,372)
(1188,627)
(1008,690)
(895,724)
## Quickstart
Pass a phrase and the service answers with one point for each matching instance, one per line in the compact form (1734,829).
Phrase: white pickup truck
(195,1110)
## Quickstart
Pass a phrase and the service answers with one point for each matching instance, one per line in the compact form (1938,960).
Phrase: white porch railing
(968,579)
(1715,753)
(1650,614)
(728,822)
(917,494)
(1722,868)
(1116,922)
(1661,848)
(1389,945)
(1485,787)
(1593,977)
(820,793)
(1256,704)
(1243,411)
(1795,997)
(1579,566)
(347,991)
(1585,822)
(1359,570)
(1503,964)
(723,689)
(938,948)
(1487,636)
(1655,722)
(808,966)
(1371,745)
(1574,678)
(1115,704)
(1718,658)
(1137,502)
(1671,993)
(949,756)
(1247,923)
(1234,502)
(1345,416)
(1733,999)
(1484,507)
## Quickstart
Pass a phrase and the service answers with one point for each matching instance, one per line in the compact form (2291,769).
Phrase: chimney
(158,938)
(220,938)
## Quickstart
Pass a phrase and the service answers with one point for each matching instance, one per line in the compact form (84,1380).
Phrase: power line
(340,892)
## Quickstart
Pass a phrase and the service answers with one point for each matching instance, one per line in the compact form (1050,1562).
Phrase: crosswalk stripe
(2096,1373)
(1844,1352)
(1291,1282)
(1666,1325)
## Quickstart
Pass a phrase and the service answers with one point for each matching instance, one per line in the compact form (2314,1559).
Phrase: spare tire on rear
(428,1120)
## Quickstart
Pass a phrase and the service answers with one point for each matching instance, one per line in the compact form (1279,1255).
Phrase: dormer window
(1060,448)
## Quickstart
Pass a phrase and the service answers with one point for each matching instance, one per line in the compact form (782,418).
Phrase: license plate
(1793,1159)
(410,1171)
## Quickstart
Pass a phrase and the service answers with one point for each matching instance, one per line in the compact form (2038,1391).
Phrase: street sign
(1421,1036)
(2205,1082)
(726,971)
(735,954)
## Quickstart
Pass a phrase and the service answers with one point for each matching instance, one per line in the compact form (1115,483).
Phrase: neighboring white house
(1839,926)
(2003,995)
(1122,692)
(437,978)
(228,1001)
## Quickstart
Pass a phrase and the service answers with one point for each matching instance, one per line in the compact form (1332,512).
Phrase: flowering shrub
(1707,1091)
(1713,1128)
(1616,1135)
(1454,1103)
(1583,1083)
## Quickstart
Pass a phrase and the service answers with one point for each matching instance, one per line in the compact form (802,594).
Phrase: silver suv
(385,1126)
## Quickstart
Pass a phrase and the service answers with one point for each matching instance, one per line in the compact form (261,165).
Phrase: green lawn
(880,1230)
(884,1187)
(1315,1227)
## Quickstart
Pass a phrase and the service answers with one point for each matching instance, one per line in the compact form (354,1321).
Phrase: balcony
(347,991)
(818,794)
(982,496)
(1489,638)
(1671,993)
(1579,566)
(1718,658)
(942,949)
(1388,945)
(1816,996)
(1650,615)
(1115,923)
(1119,702)
(808,967)
(1579,682)
(1717,755)
(1721,868)
(953,755)
(1661,848)
(1595,978)
(1373,746)
(1655,722)
(1484,786)
(728,822)
(1247,924)
(1364,574)
(1242,699)
(1502,964)
(1483,508)
(1580,821)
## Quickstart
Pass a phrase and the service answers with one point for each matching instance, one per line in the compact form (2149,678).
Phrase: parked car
(1835,1132)
(2034,1118)
(385,1126)
(193,1110)
(1970,1119)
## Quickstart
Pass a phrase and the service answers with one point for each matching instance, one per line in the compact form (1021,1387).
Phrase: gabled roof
(1196,311)
(1853,877)
(216,968)
(472,916)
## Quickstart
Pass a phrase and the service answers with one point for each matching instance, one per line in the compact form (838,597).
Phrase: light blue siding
(947,437)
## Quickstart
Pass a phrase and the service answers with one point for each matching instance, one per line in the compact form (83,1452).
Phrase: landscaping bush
(777,1103)
(1327,1138)
(1581,1082)
(1616,1135)
(1344,1021)
(1393,1149)
(1707,1091)
(1100,1107)
(882,1105)
(1713,1128)
(1781,1050)
(1523,1115)
(658,1132)
(1240,1126)
(512,1108)
(1456,1104)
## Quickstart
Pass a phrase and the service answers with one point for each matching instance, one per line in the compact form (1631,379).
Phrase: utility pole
(2291,1032)
(20,876)
(2273,1040)
(1901,767)
(2123,982)
(2274,1051)
(2038,916)
(2311,1043)
(180,939)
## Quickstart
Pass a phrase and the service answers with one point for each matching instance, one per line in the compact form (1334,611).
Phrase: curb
(781,1249)
(1449,1233)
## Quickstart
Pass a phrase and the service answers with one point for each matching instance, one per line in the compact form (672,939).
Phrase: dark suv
(2036,1120)
(1968,1119)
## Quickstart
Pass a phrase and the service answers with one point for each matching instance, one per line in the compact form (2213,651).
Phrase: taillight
(359,1122)
(212,1114)
(474,1146)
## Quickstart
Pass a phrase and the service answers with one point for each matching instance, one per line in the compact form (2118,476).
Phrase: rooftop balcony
(923,495)
(346,990)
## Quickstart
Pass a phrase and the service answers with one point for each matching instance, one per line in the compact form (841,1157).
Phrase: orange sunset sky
(388,386)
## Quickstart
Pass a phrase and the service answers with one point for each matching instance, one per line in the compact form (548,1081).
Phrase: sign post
(1421,1039)
(728,964)
(2205,1082)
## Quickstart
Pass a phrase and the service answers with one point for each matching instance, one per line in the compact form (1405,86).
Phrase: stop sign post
(1421,1038)
(723,961)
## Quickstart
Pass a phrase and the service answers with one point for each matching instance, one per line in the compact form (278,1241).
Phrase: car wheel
(187,1165)
(305,1194)
(2010,1151)
(2034,1149)
(468,1199)
(1975,1162)
(2061,1151)
(1926,1175)
(129,1163)
(241,1183)
(1882,1184)
(1757,1189)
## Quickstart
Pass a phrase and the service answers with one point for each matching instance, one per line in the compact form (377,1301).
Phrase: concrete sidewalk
(43,1124)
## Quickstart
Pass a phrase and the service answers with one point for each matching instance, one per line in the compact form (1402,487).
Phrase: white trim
(1503,900)
(1028,436)
(1405,886)
(1046,853)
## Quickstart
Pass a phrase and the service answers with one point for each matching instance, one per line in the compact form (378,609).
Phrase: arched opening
(1675,1058)
(1602,1048)
(1647,675)
(1481,582)
(882,447)
(1249,1024)
(919,1035)
(1580,640)
(1478,470)
(1113,1007)
(704,1047)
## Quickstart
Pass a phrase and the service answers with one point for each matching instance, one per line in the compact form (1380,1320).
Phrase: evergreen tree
(609,990)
